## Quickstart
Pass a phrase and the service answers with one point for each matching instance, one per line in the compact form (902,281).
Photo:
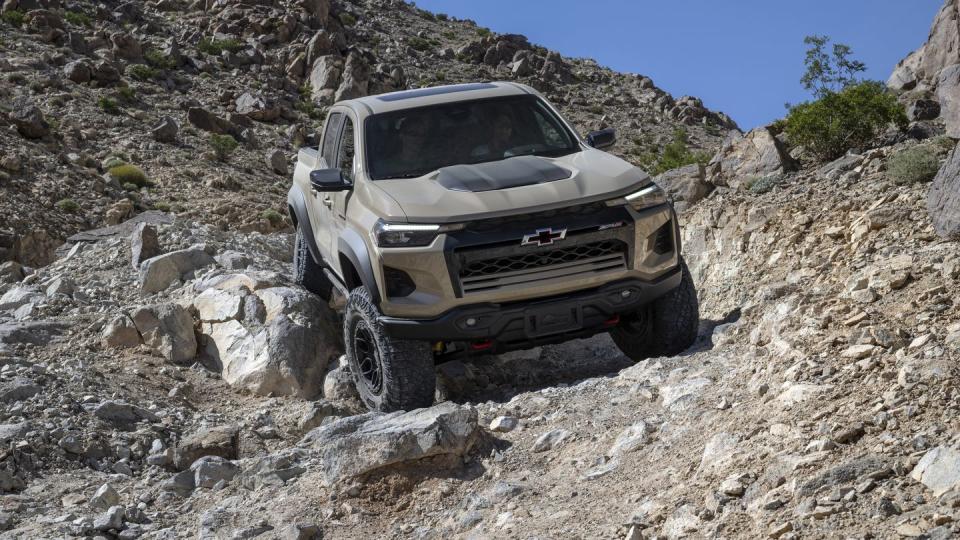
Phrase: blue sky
(743,57)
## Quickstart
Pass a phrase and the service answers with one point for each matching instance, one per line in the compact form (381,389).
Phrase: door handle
(328,202)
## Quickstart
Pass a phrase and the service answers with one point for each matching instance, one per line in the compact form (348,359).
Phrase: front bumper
(538,321)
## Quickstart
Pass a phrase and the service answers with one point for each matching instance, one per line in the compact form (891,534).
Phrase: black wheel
(306,271)
(390,374)
(665,327)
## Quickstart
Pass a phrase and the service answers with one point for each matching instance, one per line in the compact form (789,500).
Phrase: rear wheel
(390,374)
(306,271)
(665,327)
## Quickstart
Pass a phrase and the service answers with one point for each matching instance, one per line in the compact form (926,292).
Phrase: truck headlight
(649,196)
(409,234)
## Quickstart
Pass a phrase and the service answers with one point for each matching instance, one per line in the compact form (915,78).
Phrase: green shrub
(159,60)
(347,19)
(108,105)
(223,146)
(442,17)
(271,215)
(142,72)
(69,206)
(14,17)
(764,184)
(161,206)
(129,186)
(844,120)
(943,143)
(484,32)
(449,34)
(216,46)
(127,93)
(913,165)
(674,155)
(419,44)
(126,173)
(77,18)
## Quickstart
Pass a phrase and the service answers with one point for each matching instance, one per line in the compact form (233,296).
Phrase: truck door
(320,205)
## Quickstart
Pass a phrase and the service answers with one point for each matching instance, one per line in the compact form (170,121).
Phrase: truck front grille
(522,270)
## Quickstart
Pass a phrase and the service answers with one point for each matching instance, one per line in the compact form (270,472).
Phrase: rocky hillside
(159,85)
(163,378)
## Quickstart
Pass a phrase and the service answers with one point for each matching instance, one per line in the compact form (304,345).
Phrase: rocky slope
(87,85)
(163,378)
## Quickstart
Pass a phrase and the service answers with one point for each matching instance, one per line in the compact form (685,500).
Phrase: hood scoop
(509,173)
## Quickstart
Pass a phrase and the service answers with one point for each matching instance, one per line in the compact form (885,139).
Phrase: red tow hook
(482,345)
(612,321)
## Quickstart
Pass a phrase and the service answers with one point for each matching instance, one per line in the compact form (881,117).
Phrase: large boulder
(259,108)
(686,185)
(942,49)
(939,470)
(943,200)
(358,445)
(269,341)
(220,441)
(743,158)
(948,94)
(168,330)
(356,78)
(325,77)
(30,122)
(158,273)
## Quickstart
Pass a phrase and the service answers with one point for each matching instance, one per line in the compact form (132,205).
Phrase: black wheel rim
(368,358)
(638,323)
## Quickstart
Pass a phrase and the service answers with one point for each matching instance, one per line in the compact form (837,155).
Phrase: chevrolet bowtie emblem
(544,237)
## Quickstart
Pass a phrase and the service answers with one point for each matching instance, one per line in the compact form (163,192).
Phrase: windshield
(414,142)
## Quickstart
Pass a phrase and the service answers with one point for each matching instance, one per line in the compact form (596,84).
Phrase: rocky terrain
(162,378)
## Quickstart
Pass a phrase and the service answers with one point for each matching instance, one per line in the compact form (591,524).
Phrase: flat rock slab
(32,332)
(358,445)
(124,229)
(939,470)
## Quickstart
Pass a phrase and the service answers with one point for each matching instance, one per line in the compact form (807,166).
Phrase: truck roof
(420,97)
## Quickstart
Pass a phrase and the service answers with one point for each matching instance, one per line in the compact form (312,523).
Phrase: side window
(346,153)
(328,147)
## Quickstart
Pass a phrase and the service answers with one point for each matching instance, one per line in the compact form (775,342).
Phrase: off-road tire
(306,271)
(666,327)
(408,378)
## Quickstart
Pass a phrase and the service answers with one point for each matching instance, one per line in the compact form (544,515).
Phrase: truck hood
(513,186)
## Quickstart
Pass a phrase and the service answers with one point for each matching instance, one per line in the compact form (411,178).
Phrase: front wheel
(665,327)
(390,374)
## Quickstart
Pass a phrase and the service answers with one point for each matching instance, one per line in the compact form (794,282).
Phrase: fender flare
(352,246)
(297,207)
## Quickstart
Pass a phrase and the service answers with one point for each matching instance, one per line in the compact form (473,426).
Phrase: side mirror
(329,180)
(605,138)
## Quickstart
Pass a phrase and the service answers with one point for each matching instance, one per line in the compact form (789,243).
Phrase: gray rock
(167,131)
(11,272)
(300,531)
(158,273)
(743,157)
(207,121)
(277,161)
(325,77)
(209,470)
(356,78)
(943,199)
(10,482)
(338,385)
(180,483)
(120,333)
(939,470)
(358,445)
(122,413)
(233,260)
(686,185)
(550,440)
(30,122)
(144,244)
(79,71)
(221,441)
(11,432)
(259,108)
(923,109)
(503,424)
(105,497)
(18,389)
(168,330)
(105,73)
(948,94)
(60,285)
(111,520)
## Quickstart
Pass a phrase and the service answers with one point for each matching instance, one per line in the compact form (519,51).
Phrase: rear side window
(331,134)
(346,153)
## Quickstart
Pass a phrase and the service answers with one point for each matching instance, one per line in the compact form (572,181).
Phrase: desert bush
(764,184)
(844,120)
(159,60)
(77,17)
(419,44)
(141,72)
(14,17)
(161,206)
(347,19)
(108,105)
(223,146)
(68,205)
(126,93)
(484,32)
(216,46)
(271,215)
(913,165)
(125,173)
(674,155)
